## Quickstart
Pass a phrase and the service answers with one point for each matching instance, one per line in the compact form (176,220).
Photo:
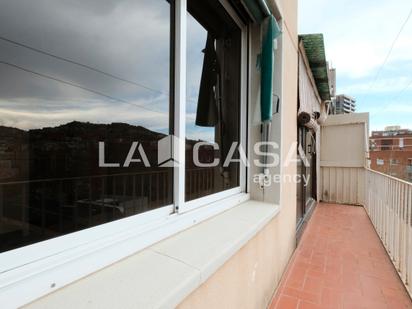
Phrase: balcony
(354,256)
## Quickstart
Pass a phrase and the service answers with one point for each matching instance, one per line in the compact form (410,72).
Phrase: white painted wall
(343,157)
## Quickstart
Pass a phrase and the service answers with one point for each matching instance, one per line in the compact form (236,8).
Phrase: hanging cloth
(207,112)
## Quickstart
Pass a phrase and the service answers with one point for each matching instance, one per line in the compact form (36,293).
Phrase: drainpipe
(324,112)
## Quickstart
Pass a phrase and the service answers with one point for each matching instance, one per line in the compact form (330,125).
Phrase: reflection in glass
(73,74)
(213,100)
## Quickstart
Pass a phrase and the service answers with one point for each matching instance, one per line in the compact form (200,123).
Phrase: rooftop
(315,51)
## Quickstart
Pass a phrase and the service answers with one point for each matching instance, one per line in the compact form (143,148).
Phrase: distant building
(344,104)
(391,152)
(332,89)
(332,80)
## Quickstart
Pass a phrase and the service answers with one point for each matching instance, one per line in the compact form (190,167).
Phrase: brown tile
(331,298)
(341,263)
(313,285)
(303,295)
(308,305)
(398,304)
(285,302)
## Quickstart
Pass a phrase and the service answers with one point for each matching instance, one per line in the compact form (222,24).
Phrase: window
(387,144)
(409,169)
(88,104)
(401,142)
(380,162)
(213,99)
(84,98)
(394,162)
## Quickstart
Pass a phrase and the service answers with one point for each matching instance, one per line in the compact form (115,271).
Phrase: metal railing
(61,205)
(34,210)
(388,202)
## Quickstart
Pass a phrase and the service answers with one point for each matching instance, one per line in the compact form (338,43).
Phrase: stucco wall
(249,279)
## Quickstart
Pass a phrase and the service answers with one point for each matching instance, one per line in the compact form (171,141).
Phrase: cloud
(391,108)
(358,34)
(195,132)
(110,36)
(383,85)
(126,38)
(32,113)
(112,42)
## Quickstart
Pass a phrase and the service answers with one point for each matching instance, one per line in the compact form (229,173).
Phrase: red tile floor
(340,262)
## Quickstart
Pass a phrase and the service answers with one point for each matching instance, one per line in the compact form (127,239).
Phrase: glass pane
(213,100)
(84,95)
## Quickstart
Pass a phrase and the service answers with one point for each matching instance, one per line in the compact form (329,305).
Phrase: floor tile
(341,263)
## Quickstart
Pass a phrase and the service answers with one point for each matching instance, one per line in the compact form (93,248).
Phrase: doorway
(306,170)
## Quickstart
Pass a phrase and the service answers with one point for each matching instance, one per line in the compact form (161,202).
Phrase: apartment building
(344,104)
(332,80)
(391,152)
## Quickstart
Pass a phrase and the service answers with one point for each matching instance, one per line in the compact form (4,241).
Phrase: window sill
(164,274)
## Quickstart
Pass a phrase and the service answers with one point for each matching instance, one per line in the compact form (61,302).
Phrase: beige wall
(344,152)
(345,140)
(249,279)
(344,145)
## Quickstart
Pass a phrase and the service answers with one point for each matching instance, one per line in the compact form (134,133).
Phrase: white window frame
(241,189)
(29,272)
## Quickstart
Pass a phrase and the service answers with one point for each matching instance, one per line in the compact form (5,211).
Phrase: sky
(36,90)
(126,38)
(101,33)
(358,36)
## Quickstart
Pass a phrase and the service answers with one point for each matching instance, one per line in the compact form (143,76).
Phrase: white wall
(343,156)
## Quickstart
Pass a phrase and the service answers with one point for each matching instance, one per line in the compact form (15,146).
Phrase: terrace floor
(340,262)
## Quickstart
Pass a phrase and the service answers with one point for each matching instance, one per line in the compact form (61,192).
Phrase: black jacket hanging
(207,112)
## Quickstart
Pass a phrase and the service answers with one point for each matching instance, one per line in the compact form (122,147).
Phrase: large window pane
(80,81)
(213,101)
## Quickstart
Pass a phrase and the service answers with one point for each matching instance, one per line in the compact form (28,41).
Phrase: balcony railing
(36,210)
(388,201)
